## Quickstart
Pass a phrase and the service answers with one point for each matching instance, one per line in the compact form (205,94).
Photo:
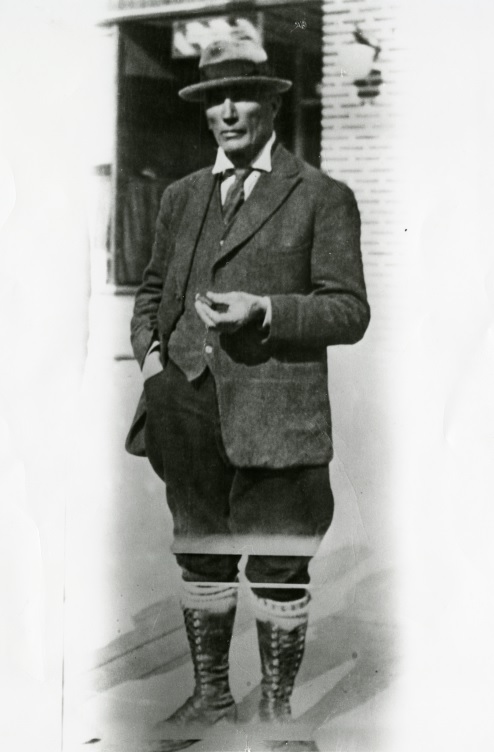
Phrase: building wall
(360,140)
(361,145)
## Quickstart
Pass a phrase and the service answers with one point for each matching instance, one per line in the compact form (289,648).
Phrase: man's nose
(228,110)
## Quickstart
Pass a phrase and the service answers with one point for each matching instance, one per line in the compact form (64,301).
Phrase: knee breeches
(222,511)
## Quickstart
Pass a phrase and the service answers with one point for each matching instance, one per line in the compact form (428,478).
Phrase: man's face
(241,120)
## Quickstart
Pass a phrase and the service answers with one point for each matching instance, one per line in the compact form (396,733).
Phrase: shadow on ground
(359,639)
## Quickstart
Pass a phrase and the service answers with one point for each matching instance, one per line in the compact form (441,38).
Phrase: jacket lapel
(270,191)
(190,227)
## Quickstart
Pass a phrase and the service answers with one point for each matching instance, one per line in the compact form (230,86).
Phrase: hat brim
(196,92)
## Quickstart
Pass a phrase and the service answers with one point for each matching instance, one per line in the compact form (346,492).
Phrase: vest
(191,344)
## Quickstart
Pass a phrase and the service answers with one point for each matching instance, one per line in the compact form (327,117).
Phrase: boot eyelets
(212,699)
(281,654)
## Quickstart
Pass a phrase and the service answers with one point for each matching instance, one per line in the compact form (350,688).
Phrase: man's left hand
(229,311)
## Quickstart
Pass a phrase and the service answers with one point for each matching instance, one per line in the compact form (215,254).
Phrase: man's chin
(240,154)
(235,148)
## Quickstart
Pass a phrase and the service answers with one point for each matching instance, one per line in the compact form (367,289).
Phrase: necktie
(235,196)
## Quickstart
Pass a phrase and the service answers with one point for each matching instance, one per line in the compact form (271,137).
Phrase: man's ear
(276,104)
(205,104)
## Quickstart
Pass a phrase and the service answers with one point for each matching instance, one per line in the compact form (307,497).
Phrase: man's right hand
(152,364)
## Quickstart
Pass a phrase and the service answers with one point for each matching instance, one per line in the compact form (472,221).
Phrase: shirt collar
(262,162)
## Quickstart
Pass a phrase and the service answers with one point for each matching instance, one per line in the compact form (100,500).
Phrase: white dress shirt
(262,163)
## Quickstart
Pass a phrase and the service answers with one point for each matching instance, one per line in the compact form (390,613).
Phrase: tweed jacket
(297,240)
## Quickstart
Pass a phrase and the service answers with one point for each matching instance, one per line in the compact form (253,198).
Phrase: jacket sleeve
(143,324)
(335,311)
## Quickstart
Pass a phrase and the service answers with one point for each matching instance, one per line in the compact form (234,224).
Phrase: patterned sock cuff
(215,597)
(286,615)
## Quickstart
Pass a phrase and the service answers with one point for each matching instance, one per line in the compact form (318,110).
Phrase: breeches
(220,512)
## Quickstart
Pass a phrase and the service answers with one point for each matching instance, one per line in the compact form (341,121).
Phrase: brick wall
(360,139)
(362,145)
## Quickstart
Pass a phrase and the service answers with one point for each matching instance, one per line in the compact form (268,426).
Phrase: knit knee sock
(285,614)
(214,597)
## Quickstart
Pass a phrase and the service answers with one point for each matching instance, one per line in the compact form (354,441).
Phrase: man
(255,271)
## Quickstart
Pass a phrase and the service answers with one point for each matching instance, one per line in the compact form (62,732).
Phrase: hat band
(234,69)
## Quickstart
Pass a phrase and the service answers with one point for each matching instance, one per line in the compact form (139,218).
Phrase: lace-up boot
(281,630)
(209,613)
